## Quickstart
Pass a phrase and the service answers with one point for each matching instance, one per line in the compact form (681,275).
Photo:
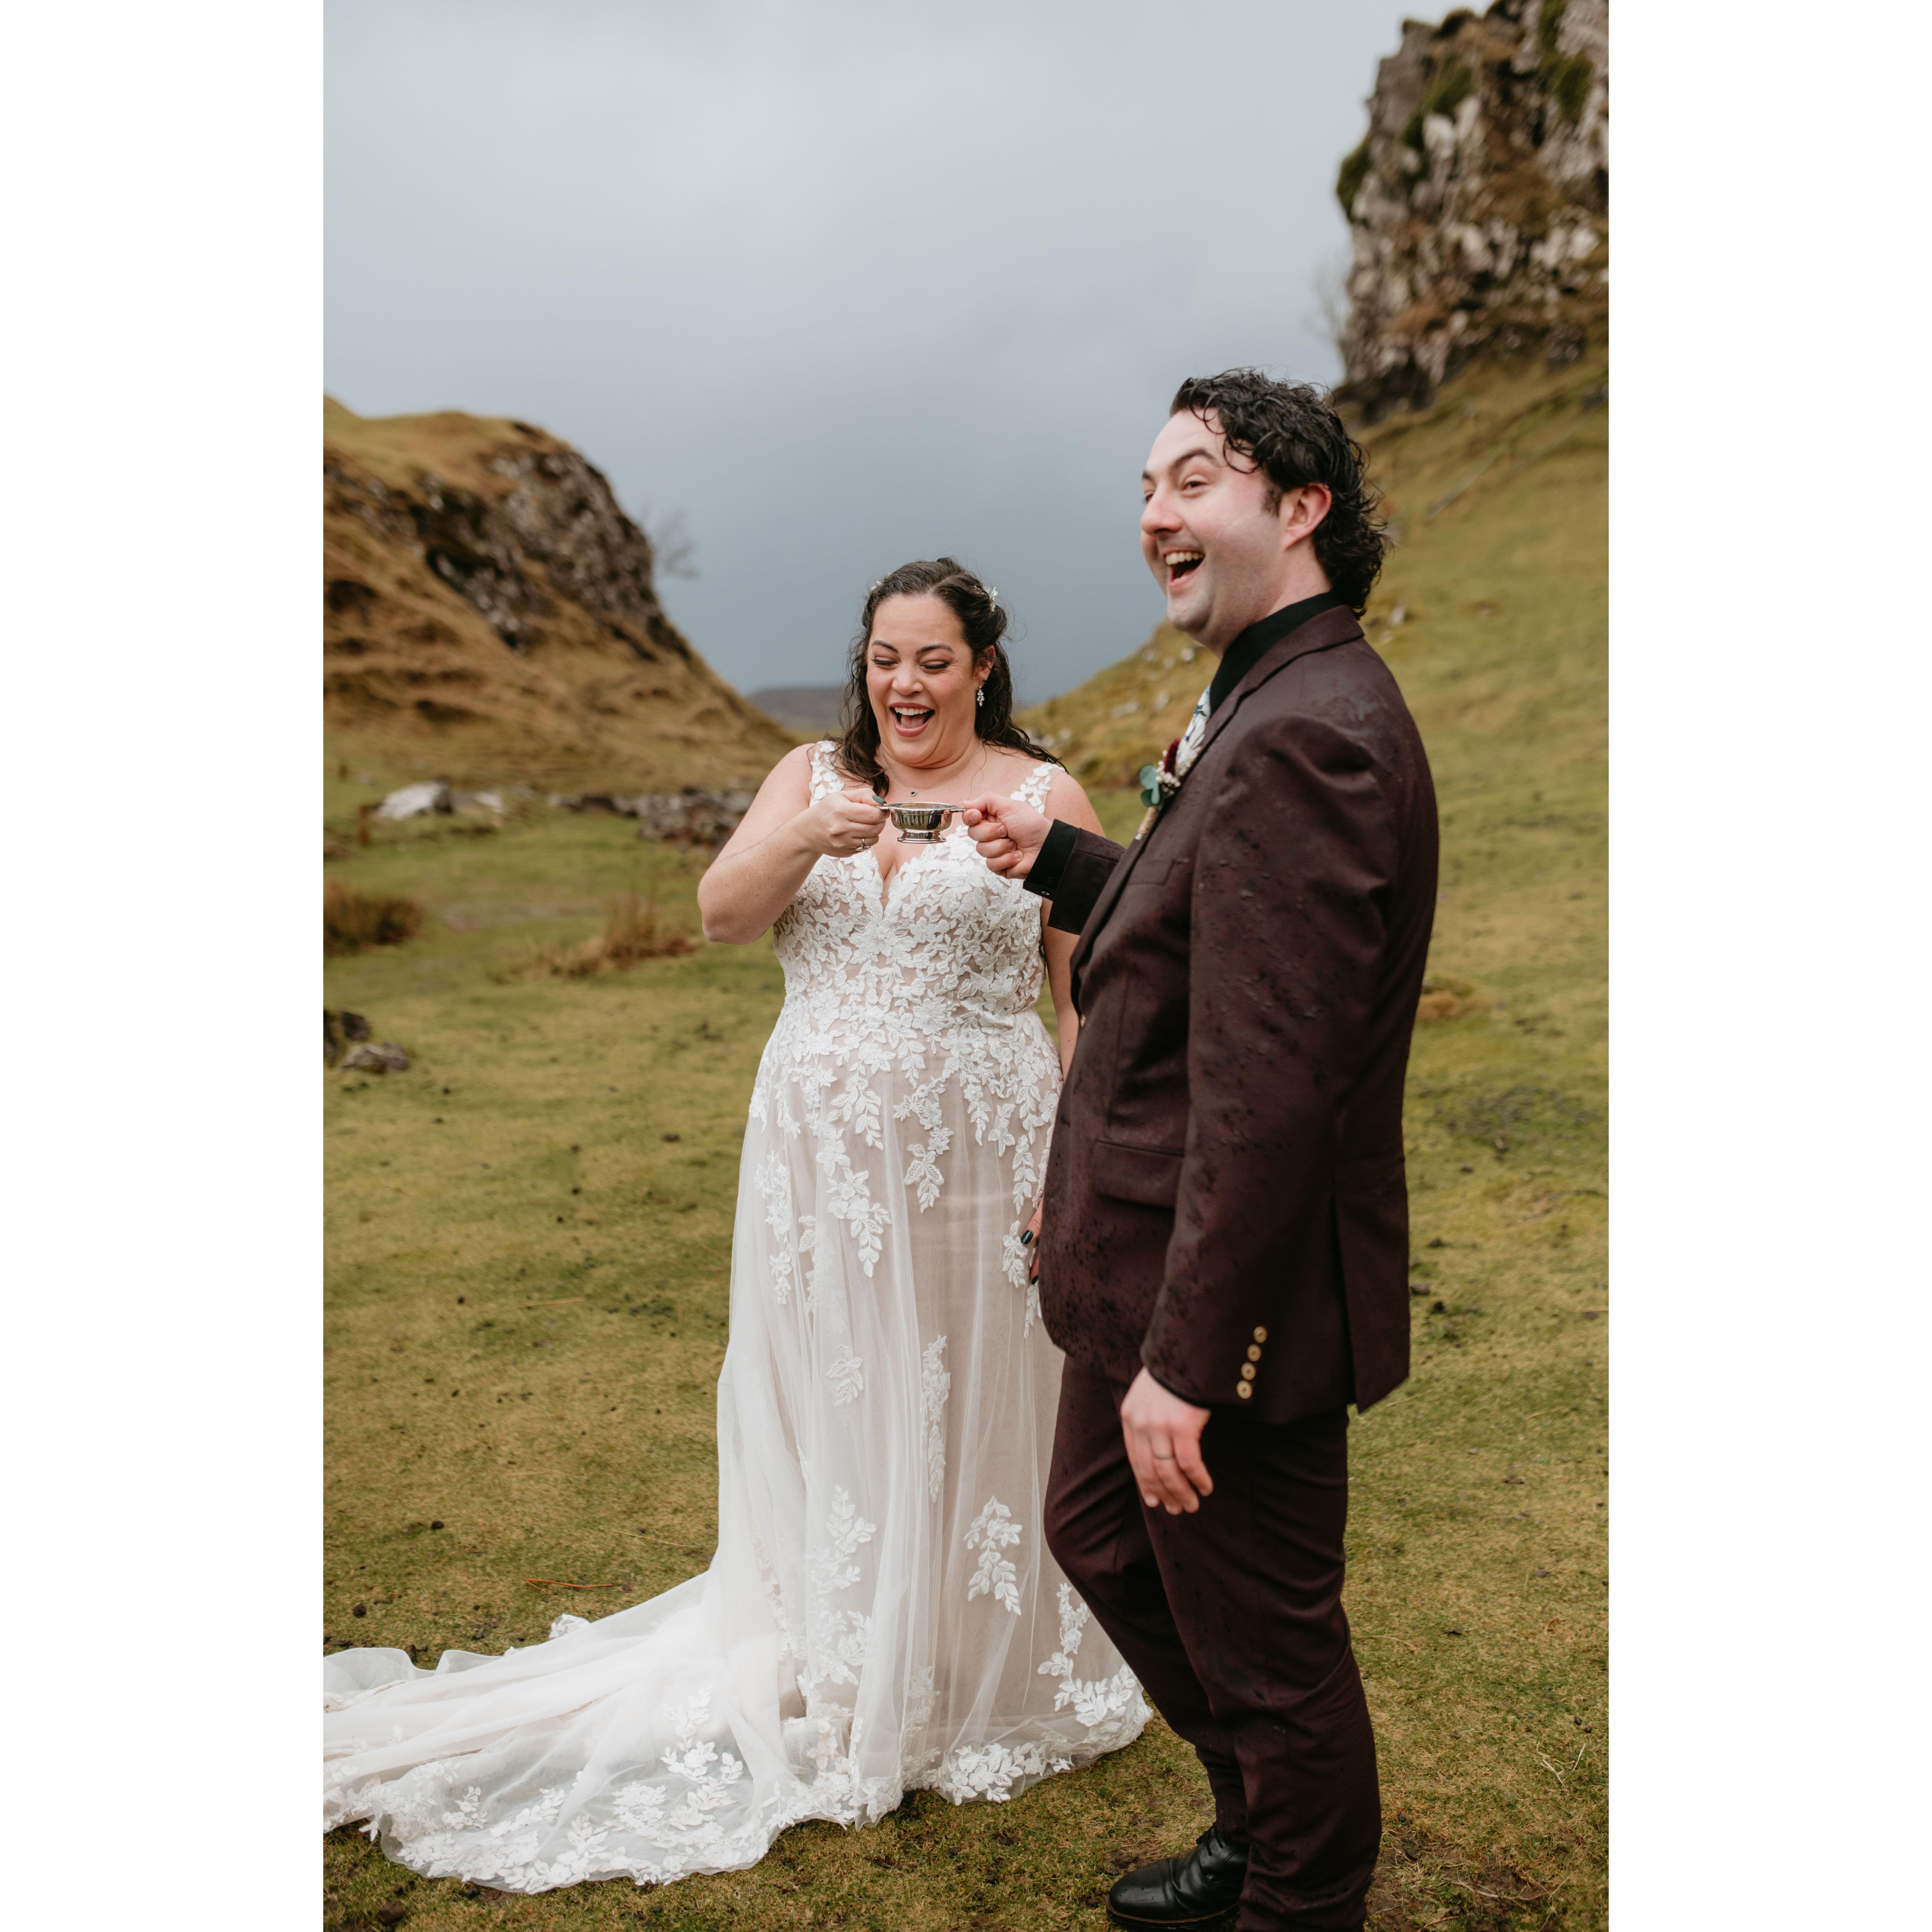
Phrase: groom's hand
(1008,833)
(1163,1436)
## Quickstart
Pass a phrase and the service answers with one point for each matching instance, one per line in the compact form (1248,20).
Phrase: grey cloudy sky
(844,281)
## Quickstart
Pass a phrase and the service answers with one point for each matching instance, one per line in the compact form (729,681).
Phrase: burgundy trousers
(1231,1618)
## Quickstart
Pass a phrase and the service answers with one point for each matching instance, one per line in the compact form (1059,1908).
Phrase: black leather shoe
(1197,1890)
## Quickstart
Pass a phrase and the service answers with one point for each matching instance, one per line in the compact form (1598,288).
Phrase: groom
(1224,1254)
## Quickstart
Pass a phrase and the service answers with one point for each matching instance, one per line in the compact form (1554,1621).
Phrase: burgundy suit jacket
(1226,1201)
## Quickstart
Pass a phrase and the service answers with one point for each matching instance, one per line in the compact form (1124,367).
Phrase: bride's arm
(1065,800)
(777,843)
(1058,947)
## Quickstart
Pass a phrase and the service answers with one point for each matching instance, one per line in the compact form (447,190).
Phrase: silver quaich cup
(921,824)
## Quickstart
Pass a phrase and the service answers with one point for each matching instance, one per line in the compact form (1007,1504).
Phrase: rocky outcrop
(489,609)
(556,534)
(1478,200)
(690,817)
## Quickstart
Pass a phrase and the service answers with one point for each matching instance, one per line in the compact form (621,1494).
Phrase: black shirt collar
(1241,656)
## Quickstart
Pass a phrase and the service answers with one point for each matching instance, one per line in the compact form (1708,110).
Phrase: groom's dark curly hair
(1291,431)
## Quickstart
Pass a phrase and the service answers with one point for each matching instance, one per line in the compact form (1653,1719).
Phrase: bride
(882,1614)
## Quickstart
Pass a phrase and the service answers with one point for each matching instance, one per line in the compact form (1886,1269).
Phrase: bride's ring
(1159,1458)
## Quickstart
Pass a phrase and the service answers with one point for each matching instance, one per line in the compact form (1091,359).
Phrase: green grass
(523,1160)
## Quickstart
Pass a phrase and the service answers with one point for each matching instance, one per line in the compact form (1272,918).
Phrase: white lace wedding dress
(882,1615)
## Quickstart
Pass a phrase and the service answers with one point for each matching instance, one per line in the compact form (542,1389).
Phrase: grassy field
(529,1238)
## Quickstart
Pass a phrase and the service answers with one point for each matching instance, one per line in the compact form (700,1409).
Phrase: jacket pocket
(1146,1175)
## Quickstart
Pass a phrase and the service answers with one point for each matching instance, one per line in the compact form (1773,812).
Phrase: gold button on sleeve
(1261,1334)
(1244,1389)
(1247,1372)
(1254,1352)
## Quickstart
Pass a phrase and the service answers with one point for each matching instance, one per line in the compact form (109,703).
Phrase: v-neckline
(886,878)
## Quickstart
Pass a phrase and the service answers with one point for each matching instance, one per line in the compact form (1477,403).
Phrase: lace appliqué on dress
(847,1377)
(994,1530)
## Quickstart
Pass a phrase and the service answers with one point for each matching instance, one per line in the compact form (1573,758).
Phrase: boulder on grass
(691,817)
(611,802)
(414,800)
(376,1056)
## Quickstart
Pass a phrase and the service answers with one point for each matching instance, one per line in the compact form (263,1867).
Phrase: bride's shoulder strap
(824,773)
(1032,789)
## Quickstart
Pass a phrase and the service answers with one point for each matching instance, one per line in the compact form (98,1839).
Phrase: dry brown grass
(352,919)
(1446,997)
(631,934)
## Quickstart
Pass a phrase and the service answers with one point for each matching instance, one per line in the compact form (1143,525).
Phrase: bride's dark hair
(984,623)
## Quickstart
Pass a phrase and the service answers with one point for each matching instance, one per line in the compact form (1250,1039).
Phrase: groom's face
(1217,547)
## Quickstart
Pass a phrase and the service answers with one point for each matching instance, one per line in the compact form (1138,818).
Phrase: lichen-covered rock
(1478,200)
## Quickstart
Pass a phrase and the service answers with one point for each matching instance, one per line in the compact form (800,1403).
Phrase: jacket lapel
(1319,633)
(1330,627)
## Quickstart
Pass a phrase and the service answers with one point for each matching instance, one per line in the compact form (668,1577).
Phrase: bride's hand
(841,823)
(1030,1241)
(1008,833)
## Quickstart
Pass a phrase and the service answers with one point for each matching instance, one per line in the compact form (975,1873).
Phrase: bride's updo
(985,624)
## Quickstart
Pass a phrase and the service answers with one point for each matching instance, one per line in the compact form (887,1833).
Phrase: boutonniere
(1158,783)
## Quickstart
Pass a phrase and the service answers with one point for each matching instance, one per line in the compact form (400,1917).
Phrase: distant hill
(811,710)
(488,611)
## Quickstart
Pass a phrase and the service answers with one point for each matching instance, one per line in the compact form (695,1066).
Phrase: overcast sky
(846,282)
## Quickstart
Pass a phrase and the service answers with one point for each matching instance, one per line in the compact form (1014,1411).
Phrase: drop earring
(980,698)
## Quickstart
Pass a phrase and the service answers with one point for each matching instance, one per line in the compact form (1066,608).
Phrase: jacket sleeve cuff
(1187,1395)
(1084,873)
(1048,867)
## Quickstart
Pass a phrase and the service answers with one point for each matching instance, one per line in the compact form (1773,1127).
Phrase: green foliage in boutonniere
(1158,783)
